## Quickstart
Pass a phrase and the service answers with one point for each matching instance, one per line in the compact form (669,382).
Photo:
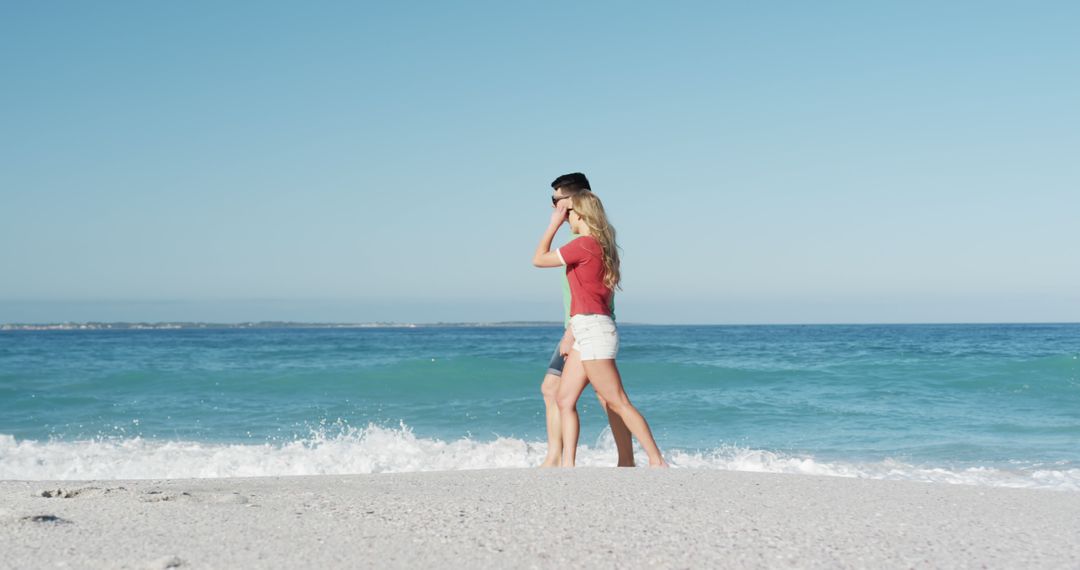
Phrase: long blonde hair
(591,209)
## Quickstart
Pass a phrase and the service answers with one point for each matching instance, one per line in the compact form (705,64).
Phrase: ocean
(969,404)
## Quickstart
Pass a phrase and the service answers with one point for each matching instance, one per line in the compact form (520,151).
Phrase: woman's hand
(559,215)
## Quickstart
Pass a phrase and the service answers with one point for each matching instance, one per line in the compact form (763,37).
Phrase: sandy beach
(531,518)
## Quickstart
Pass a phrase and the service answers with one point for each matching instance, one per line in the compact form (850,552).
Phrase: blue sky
(763,163)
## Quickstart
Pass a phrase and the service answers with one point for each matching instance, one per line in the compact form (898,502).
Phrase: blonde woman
(592,269)
(562,189)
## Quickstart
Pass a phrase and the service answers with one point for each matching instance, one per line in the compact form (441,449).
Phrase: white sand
(607,518)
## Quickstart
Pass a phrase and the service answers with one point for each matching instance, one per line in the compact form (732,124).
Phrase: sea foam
(376,449)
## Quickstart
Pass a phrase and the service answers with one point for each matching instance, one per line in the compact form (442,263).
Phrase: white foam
(376,449)
(1032,476)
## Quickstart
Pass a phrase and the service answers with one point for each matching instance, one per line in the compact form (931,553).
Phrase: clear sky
(780,162)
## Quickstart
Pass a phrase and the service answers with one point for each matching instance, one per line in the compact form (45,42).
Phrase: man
(564,187)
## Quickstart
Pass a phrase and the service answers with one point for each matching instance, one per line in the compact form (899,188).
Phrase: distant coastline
(179,325)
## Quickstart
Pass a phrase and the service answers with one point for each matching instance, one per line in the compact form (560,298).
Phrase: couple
(587,351)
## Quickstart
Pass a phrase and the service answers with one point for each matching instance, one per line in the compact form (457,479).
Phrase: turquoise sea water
(980,404)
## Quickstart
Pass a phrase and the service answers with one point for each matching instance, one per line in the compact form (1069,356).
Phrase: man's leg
(550,389)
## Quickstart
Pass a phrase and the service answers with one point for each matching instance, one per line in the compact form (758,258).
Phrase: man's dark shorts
(557,361)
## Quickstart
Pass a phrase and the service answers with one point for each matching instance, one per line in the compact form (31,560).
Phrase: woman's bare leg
(604,376)
(550,389)
(620,433)
(573,382)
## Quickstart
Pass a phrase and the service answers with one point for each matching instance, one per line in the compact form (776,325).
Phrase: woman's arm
(544,257)
(567,342)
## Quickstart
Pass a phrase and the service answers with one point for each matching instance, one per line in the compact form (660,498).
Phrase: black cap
(574,179)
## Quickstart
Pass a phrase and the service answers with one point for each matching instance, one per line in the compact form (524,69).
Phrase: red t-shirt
(584,260)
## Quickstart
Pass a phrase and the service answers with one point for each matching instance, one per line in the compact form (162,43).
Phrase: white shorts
(595,336)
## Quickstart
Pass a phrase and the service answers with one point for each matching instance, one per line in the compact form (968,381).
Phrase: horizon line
(136,325)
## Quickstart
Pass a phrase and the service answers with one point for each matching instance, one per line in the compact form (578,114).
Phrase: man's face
(559,198)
